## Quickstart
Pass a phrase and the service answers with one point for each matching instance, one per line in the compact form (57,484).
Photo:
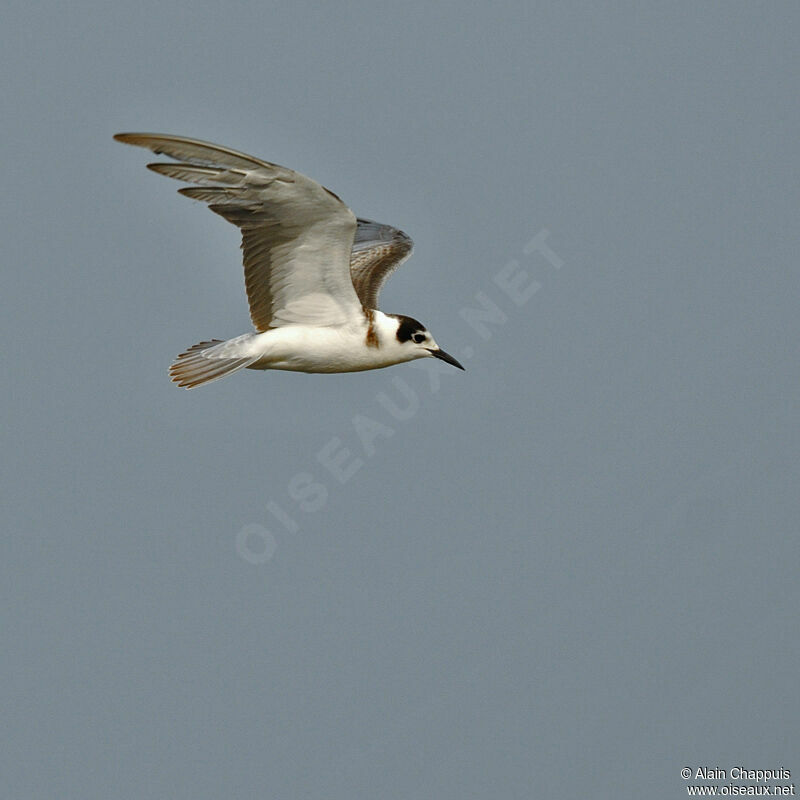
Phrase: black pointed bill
(445,357)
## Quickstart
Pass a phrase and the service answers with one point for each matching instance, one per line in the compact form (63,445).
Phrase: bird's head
(414,338)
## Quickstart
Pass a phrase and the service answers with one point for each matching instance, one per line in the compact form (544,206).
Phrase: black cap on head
(408,327)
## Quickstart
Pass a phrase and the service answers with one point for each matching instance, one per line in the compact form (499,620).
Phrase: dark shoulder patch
(372,334)
(408,327)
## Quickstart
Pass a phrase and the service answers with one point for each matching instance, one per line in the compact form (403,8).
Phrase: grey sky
(572,571)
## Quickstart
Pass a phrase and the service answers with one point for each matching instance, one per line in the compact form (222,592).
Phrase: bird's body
(313,272)
(369,343)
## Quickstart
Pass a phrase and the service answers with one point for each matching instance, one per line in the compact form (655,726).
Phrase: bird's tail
(208,361)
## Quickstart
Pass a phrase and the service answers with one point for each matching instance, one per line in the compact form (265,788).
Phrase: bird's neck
(380,329)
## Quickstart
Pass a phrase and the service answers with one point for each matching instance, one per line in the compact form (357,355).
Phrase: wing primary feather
(195,151)
(193,173)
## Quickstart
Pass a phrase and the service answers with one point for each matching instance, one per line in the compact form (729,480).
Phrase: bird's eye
(418,337)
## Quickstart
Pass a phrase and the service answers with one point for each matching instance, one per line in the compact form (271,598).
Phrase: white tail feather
(205,362)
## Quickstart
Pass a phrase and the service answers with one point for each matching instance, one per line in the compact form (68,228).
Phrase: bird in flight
(312,271)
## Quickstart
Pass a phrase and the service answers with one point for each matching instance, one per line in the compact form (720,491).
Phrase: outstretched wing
(378,250)
(296,235)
